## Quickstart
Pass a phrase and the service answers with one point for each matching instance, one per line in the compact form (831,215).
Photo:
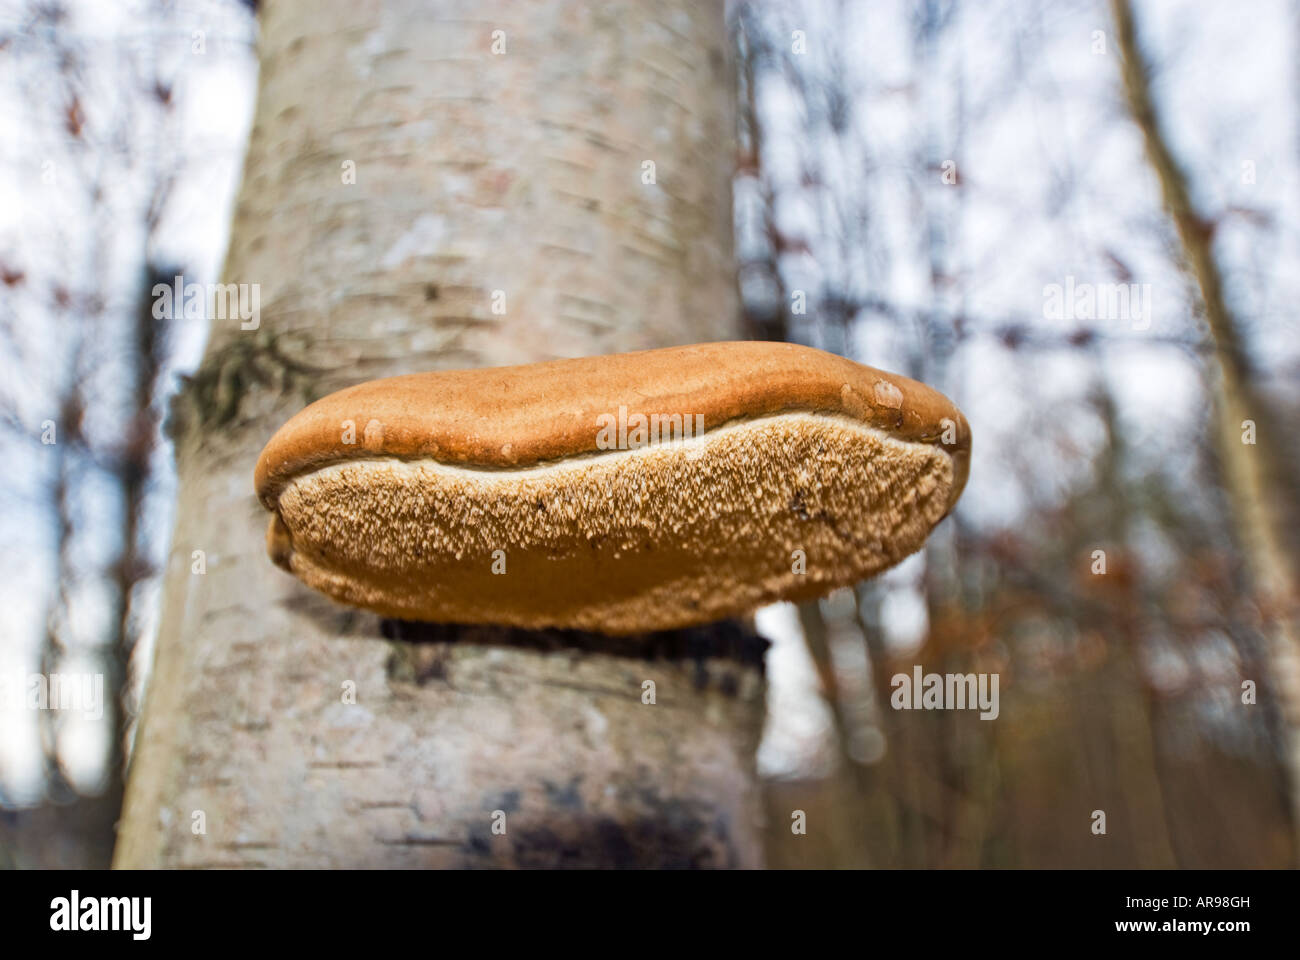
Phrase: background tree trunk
(1253,473)
(475,172)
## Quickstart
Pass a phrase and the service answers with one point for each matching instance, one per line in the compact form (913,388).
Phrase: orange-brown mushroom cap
(620,493)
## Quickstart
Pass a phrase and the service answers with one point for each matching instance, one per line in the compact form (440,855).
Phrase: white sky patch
(797,734)
(904,616)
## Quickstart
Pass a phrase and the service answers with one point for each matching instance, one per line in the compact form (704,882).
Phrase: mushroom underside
(783,507)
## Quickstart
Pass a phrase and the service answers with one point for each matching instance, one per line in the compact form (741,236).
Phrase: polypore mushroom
(618,494)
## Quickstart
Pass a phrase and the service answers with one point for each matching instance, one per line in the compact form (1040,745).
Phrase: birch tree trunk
(490,168)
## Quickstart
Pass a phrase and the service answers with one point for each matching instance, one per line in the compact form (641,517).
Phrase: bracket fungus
(616,494)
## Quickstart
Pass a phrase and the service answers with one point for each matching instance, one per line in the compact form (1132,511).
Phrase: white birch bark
(520,172)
